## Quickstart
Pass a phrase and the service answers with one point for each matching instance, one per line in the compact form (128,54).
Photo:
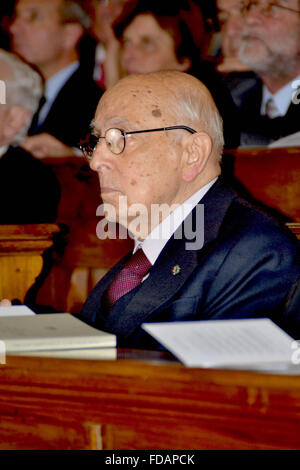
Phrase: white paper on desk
(249,343)
(15,311)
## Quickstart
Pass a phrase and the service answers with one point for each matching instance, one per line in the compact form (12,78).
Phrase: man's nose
(102,159)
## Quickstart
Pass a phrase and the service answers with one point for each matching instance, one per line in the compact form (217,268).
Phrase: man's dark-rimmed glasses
(115,139)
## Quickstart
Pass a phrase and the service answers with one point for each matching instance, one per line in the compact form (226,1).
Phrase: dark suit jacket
(72,111)
(261,130)
(245,269)
(29,190)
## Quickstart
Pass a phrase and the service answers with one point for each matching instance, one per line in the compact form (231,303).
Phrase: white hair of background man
(24,88)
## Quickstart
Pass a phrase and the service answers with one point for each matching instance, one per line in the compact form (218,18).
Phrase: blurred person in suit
(270,46)
(45,33)
(99,49)
(29,191)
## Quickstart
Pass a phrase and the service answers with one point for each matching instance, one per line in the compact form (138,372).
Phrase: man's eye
(147,43)
(32,16)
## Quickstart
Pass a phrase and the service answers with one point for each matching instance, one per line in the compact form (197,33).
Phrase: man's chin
(253,54)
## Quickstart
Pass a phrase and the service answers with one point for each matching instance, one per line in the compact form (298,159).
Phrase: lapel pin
(176,270)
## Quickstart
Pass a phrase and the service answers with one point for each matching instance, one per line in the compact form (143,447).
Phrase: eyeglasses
(268,10)
(115,139)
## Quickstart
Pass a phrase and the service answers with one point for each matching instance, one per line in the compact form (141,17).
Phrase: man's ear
(16,117)
(71,36)
(184,64)
(198,151)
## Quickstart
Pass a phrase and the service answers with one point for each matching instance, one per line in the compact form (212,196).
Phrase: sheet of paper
(15,311)
(250,344)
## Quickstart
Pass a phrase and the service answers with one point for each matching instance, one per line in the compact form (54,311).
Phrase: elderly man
(29,191)
(200,251)
(270,46)
(45,33)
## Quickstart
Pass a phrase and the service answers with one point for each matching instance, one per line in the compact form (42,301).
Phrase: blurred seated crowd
(59,56)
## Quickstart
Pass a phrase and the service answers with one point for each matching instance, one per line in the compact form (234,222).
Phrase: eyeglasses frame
(271,4)
(125,133)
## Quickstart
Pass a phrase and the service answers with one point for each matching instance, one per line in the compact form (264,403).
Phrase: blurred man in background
(45,33)
(270,46)
(29,191)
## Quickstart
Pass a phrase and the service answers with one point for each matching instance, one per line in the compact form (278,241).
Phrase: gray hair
(24,88)
(196,110)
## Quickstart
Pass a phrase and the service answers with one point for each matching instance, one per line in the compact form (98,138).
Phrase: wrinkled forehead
(227,4)
(47,5)
(140,103)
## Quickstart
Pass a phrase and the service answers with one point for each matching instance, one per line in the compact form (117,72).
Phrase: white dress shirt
(157,239)
(3,150)
(53,87)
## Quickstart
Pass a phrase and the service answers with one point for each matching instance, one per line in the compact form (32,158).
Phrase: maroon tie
(130,276)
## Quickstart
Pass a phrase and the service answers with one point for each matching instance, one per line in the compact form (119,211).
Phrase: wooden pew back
(271,176)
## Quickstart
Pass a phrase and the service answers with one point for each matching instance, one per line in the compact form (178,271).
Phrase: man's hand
(45,145)
(5,303)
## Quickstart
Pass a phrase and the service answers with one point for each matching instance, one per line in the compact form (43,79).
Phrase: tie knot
(138,263)
(271,109)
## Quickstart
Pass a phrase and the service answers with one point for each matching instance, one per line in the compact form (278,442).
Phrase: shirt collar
(157,239)
(282,98)
(3,150)
(55,83)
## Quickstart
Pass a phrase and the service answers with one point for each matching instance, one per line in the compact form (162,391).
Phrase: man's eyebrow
(114,122)
(94,127)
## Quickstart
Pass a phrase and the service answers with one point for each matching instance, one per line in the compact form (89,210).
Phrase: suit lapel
(163,282)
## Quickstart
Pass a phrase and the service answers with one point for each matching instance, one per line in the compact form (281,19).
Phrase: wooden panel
(21,261)
(29,433)
(141,404)
(271,176)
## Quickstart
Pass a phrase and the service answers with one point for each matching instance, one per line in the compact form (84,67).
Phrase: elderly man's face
(271,41)
(37,31)
(149,169)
